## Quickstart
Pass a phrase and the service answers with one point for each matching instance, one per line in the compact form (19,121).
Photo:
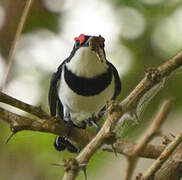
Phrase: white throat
(86,63)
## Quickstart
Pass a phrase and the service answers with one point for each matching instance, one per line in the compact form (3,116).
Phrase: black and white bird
(82,85)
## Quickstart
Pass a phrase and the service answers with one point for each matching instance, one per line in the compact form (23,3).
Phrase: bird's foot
(94,123)
(62,142)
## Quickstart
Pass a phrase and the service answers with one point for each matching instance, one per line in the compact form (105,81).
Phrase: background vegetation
(139,34)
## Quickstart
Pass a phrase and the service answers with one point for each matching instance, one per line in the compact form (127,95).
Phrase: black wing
(54,101)
(117,80)
(53,96)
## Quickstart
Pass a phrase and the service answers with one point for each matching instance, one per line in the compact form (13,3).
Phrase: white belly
(83,107)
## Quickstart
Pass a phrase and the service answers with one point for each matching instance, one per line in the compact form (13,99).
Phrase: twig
(37,111)
(150,132)
(155,126)
(172,167)
(10,137)
(162,158)
(15,41)
(126,148)
(153,76)
(51,125)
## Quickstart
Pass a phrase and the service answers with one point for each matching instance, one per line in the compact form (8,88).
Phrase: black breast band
(87,86)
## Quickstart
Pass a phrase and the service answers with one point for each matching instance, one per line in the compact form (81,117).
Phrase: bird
(81,86)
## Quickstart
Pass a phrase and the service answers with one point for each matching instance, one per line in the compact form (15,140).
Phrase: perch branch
(103,135)
(51,125)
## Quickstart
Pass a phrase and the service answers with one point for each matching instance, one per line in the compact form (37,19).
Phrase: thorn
(84,170)
(94,123)
(10,137)
(139,176)
(82,165)
(114,150)
(165,140)
(55,164)
(172,135)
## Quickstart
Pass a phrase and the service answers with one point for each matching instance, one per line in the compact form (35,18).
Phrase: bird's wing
(53,96)
(54,101)
(117,80)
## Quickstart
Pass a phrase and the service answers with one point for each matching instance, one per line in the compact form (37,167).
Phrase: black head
(85,41)
(95,44)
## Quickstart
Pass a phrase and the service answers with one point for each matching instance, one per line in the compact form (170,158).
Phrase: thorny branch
(126,148)
(152,77)
(46,123)
(162,158)
(171,168)
(149,134)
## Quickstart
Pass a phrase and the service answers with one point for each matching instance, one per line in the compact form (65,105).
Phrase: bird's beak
(95,45)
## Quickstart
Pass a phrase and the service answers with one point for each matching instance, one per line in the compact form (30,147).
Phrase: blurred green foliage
(39,17)
(29,155)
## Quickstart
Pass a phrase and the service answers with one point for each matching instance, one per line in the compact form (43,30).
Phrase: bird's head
(95,44)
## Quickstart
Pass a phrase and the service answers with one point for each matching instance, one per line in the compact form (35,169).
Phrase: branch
(153,77)
(50,124)
(103,135)
(37,111)
(54,125)
(126,148)
(171,168)
(162,158)
(149,134)
(17,36)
